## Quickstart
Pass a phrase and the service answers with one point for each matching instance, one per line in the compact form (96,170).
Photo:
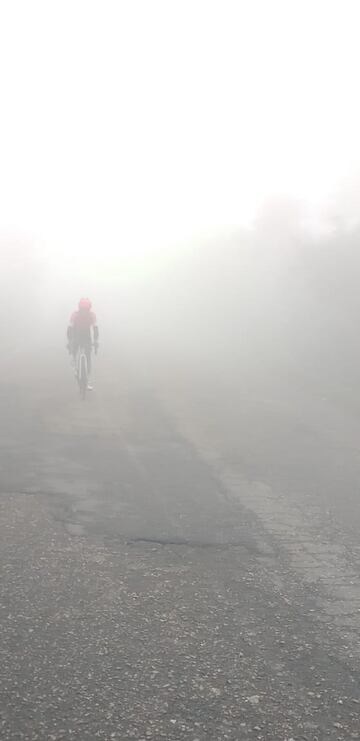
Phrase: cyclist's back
(82,323)
(83,330)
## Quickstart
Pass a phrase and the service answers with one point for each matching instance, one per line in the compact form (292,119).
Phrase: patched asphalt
(147,592)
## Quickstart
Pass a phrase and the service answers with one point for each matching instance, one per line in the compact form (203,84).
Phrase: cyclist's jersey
(82,321)
(81,324)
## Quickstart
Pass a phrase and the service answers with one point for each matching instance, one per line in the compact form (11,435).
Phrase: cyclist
(83,332)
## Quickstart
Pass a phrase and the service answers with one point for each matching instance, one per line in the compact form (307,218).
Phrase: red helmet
(85,304)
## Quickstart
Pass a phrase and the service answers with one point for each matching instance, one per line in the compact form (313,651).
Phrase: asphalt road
(177,565)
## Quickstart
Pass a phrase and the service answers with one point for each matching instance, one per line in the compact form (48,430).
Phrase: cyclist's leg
(74,352)
(89,364)
(88,356)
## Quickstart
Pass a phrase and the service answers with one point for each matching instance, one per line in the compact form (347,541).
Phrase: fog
(201,199)
(272,303)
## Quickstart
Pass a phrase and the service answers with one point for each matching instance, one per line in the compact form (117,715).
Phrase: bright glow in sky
(134,123)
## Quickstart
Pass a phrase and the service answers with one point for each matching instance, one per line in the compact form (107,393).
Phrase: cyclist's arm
(70,332)
(95,329)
